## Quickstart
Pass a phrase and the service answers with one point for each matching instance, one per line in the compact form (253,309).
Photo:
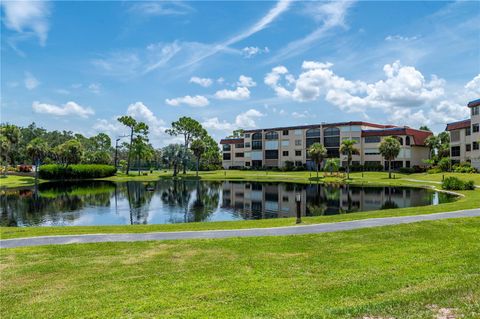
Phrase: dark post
(116,152)
(298,199)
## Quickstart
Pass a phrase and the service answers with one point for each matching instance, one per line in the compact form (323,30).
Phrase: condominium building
(465,137)
(282,146)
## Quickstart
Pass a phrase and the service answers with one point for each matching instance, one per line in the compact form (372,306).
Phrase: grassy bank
(405,271)
(471,199)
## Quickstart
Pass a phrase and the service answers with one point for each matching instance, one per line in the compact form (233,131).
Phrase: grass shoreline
(470,199)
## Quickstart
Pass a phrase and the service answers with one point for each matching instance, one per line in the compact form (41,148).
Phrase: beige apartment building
(465,137)
(282,146)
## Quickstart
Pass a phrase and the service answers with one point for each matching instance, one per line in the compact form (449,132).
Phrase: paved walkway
(250,232)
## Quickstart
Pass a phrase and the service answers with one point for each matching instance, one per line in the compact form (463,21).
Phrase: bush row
(80,171)
(453,183)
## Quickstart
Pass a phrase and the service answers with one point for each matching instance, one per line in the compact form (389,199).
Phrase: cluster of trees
(35,145)
(389,149)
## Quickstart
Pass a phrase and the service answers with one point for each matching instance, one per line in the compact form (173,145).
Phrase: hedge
(453,183)
(78,171)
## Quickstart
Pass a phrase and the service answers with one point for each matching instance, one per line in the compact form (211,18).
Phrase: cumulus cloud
(243,120)
(246,81)
(68,109)
(250,52)
(473,86)
(240,93)
(27,17)
(194,101)
(30,81)
(205,82)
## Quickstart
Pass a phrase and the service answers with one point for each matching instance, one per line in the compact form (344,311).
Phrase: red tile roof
(419,136)
(474,103)
(458,125)
(298,127)
(231,141)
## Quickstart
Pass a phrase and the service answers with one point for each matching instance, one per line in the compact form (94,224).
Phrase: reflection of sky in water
(178,203)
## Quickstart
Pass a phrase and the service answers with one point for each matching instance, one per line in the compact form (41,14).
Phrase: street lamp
(298,200)
(116,149)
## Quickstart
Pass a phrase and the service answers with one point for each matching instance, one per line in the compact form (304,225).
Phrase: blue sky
(79,65)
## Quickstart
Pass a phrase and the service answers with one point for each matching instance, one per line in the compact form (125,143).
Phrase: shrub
(444,164)
(454,183)
(25,168)
(464,168)
(406,170)
(435,170)
(80,171)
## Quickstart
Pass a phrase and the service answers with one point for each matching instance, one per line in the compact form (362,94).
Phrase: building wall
(475,137)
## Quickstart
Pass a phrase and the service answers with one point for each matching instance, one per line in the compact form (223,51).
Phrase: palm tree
(37,149)
(141,150)
(348,148)
(198,148)
(432,142)
(332,164)
(12,136)
(389,149)
(317,153)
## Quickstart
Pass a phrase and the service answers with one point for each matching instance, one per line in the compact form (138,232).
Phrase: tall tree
(432,142)
(425,128)
(348,148)
(190,129)
(389,149)
(12,134)
(172,156)
(141,150)
(198,148)
(37,149)
(317,153)
(4,149)
(70,152)
(135,128)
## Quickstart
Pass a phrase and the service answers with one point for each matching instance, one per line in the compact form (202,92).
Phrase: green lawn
(405,271)
(11,181)
(471,199)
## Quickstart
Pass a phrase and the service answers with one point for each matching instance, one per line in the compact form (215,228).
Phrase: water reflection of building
(260,200)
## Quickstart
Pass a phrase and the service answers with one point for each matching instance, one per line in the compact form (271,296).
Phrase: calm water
(168,201)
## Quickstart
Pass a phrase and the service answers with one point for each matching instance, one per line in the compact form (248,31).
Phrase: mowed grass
(470,200)
(404,271)
(11,181)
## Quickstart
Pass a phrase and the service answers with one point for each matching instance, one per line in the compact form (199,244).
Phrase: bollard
(298,199)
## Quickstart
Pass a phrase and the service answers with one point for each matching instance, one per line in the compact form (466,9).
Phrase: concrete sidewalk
(250,232)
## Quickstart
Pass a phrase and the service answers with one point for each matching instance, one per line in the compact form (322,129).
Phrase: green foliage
(348,148)
(425,128)
(317,153)
(70,152)
(444,164)
(80,171)
(464,168)
(454,183)
(389,149)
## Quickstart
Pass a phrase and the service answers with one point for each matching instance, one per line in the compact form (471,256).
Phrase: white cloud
(400,38)
(473,87)
(161,8)
(240,93)
(27,17)
(329,14)
(68,109)
(30,81)
(302,115)
(243,120)
(62,91)
(95,88)
(205,82)
(194,101)
(246,81)
(250,52)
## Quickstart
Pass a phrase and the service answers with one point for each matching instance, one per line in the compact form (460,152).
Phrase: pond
(175,201)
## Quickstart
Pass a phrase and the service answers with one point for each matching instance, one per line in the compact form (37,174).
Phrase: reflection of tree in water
(316,203)
(389,203)
(139,199)
(206,201)
(49,202)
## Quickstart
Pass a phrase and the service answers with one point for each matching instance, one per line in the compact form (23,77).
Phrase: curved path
(249,232)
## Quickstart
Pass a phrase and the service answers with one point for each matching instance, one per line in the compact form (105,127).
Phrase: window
(227,147)
(298,132)
(271,154)
(248,154)
(257,136)
(407,164)
(468,147)
(314,132)
(247,135)
(331,141)
(407,140)
(468,131)
(475,110)
(372,139)
(455,136)
(247,144)
(372,163)
(298,153)
(256,145)
(372,151)
(247,164)
(272,135)
(311,141)
(239,155)
(239,145)
(476,128)
(455,151)
(285,199)
(285,143)
(226,156)
(285,132)
(331,131)
(285,153)
(400,140)
(298,142)
(475,146)
(298,163)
